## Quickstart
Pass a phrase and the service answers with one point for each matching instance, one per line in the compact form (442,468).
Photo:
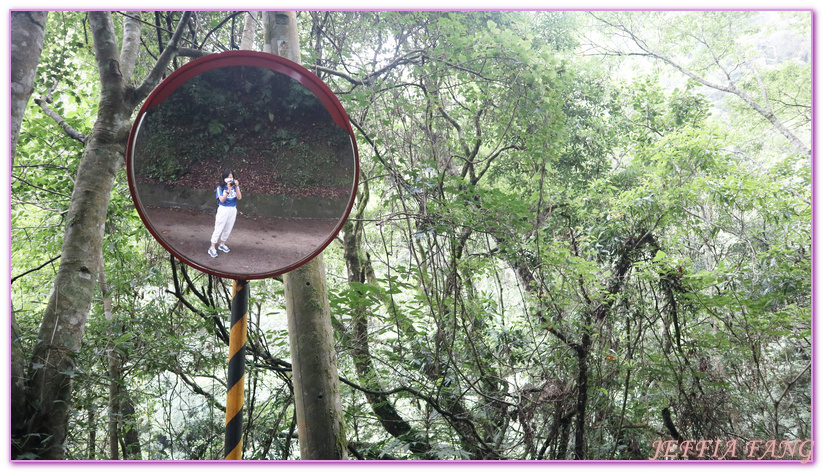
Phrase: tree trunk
(61,330)
(314,367)
(131,434)
(48,392)
(359,269)
(314,364)
(281,34)
(18,390)
(249,27)
(582,396)
(27,29)
(91,445)
(115,370)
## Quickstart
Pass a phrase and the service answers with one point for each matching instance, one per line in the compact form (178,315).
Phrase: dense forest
(576,236)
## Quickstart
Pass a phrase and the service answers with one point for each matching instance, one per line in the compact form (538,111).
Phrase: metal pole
(237,370)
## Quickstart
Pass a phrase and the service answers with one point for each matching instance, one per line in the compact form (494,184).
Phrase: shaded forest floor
(255,174)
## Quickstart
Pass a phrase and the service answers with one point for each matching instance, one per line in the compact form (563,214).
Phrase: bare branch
(369,79)
(459,129)
(105,47)
(198,390)
(70,132)
(761,109)
(791,383)
(342,75)
(193,53)
(206,38)
(494,156)
(497,151)
(162,62)
(35,269)
(157,26)
(249,26)
(41,188)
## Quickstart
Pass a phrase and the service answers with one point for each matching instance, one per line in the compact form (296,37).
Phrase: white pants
(223,223)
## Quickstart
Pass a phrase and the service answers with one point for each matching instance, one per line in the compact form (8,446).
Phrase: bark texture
(27,32)
(281,34)
(314,364)
(28,29)
(48,393)
(249,27)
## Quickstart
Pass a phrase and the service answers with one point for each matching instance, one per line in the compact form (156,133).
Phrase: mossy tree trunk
(27,31)
(48,392)
(360,271)
(314,364)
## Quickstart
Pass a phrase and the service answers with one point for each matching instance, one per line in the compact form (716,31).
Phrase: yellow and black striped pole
(237,370)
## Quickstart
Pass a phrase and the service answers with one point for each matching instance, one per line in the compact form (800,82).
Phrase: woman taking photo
(228,192)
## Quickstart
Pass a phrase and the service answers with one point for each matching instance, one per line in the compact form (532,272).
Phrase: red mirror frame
(254,59)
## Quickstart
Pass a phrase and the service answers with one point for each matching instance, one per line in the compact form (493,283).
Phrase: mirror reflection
(242,170)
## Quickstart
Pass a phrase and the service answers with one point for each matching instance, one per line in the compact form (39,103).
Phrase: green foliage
(233,113)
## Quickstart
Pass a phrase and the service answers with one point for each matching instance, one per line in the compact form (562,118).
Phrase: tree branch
(203,43)
(461,137)
(105,47)
(198,390)
(163,61)
(731,88)
(131,45)
(491,157)
(42,102)
(193,53)
(494,156)
(451,417)
(369,79)
(41,188)
(249,27)
(38,268)
(791,383)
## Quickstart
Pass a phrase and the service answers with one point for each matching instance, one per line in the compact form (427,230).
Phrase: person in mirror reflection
(228,192)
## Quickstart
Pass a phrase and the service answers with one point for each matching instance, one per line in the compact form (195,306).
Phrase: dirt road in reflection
(259,245)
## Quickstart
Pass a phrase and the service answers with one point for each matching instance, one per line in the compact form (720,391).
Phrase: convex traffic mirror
(242,164)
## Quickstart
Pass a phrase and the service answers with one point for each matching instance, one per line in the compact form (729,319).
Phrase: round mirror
(242,164)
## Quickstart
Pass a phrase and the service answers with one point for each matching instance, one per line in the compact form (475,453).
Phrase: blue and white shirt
(231,200)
